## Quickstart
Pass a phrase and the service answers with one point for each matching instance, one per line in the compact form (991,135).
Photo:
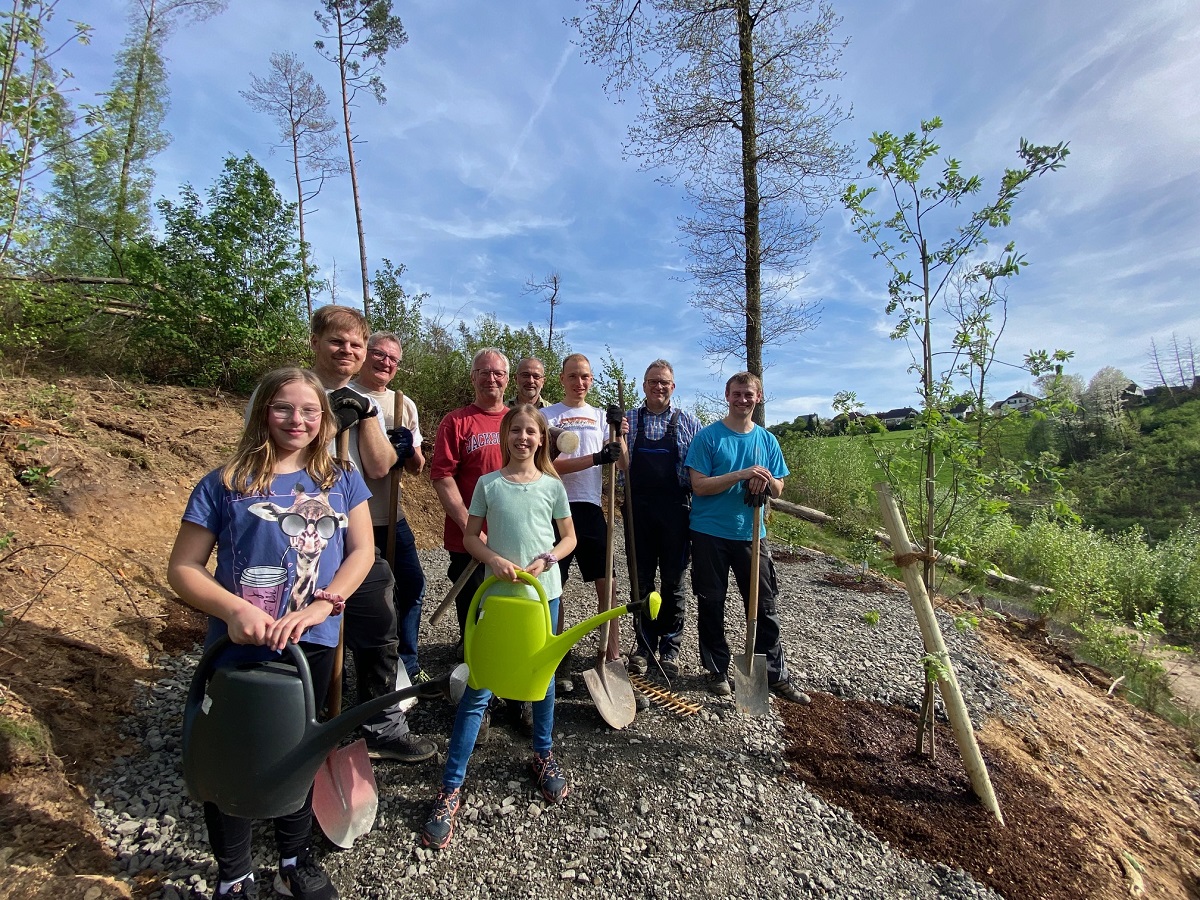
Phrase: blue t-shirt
(718,450)
(276,551)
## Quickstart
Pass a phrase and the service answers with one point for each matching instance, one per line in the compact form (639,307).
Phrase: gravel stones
(699,806)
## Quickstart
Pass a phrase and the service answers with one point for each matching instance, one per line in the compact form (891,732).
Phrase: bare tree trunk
(751,200)
(300,213)
(358,217)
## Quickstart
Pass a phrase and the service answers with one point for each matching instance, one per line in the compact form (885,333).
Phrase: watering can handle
(206,664)
(473,609)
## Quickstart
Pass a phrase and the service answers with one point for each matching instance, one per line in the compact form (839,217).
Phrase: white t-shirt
(381,487)
(584,486)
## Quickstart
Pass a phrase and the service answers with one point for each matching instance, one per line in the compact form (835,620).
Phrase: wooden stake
(931,636)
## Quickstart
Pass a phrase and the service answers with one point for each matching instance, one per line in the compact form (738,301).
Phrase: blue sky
(498,158)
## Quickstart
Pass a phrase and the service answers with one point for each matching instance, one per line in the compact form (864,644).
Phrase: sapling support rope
(935,646)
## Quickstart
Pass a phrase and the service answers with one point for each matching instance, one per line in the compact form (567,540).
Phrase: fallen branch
(128,594)
(943,559)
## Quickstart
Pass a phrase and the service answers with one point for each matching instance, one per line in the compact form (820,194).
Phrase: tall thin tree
(362,31)
(138,101)
(734,98)
(301,110)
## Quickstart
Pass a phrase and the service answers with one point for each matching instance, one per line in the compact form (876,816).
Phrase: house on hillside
(960,411)
(894,417)
(1020,402)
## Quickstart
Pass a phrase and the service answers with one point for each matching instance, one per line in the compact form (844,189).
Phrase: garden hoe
(608,682)
(750,691)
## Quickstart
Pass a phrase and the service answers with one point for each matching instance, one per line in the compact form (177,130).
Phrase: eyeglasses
(655,382)
(294,525)
(491,373)
(384,357)
(285,411)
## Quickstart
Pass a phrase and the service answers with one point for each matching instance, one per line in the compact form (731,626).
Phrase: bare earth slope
(1102,800)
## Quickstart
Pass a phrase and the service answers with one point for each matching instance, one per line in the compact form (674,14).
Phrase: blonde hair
(541,456)
(253,465)
(332,317)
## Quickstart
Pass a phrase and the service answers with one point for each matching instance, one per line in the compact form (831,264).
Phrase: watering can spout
(510,645)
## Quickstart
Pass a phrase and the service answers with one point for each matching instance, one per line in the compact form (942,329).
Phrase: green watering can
(510,646)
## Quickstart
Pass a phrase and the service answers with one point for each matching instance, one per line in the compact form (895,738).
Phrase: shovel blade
(612,693)
(750,691)
(345,797)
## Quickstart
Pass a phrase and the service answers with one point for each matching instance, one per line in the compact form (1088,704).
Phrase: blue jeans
(409,593)
(470,715)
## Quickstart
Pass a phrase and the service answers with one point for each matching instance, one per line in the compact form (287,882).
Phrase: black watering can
(251,741)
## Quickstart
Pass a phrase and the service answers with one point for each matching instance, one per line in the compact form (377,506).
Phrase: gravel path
(669,807)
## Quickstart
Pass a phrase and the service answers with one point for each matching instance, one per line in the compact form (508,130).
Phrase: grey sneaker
(718,684)
(412,748)
(670,666)
(639,664)
(785,690)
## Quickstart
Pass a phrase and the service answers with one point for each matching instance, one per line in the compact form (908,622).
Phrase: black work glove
(349,407)
(614,416)
(752,499)
(402,443)
(609,454)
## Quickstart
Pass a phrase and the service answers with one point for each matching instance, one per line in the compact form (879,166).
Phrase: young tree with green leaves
(361,33)
(929,245)
(228,296)
(102,196)
(34,119)
(300,108)
(734,98)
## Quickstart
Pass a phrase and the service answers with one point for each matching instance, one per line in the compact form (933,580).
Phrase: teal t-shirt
(520,520)
(718,450)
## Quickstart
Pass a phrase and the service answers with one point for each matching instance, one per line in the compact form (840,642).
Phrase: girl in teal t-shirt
(520,503)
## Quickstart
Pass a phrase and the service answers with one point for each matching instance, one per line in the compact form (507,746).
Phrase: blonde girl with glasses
(292,535)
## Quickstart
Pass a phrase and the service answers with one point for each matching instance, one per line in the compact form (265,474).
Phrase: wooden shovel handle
(334,701)
(752,606)
(394,485)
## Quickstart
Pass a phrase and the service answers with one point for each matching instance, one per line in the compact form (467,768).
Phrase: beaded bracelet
(339,604)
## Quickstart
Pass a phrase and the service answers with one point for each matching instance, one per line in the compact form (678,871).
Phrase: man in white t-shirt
(384,353)
(583,478)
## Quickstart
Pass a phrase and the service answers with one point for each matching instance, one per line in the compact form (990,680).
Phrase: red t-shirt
(466,449)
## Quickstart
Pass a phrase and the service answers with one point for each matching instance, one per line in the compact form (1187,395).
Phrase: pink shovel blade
(345,797)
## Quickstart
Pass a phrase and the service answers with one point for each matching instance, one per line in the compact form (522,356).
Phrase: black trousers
(662,543)
(370,625)
(712,560)
(230,836)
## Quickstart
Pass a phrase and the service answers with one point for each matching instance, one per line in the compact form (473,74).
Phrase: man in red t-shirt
(466,449)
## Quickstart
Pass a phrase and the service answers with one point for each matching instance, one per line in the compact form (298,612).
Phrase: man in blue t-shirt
(729,460)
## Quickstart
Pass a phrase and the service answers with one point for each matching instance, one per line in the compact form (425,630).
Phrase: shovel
(608,682)
(345,796)
(750,691)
